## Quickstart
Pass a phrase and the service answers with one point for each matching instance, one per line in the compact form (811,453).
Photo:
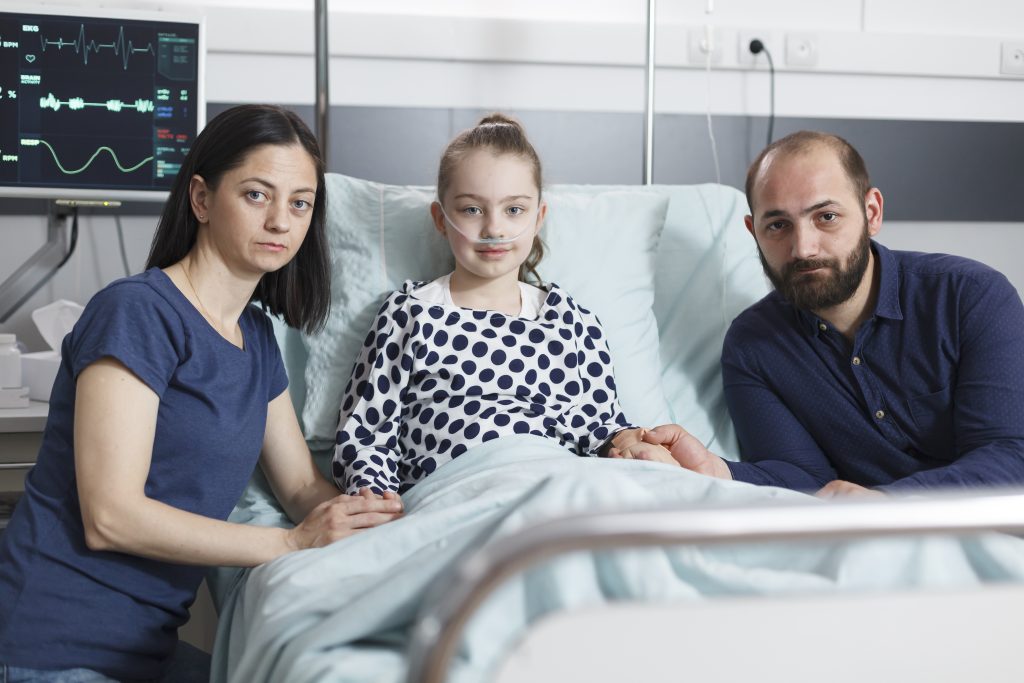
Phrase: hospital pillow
(707,272)
(602,247)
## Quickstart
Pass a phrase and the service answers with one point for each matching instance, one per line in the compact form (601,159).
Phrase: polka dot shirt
(434,380)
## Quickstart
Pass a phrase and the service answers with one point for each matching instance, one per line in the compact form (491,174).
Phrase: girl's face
(257,217)
(491,196)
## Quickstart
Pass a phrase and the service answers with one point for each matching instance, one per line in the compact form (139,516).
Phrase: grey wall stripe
(958,171)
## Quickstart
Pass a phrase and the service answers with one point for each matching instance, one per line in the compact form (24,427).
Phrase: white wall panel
(956,17)
(912,62)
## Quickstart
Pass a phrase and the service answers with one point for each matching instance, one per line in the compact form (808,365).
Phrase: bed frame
(991,613)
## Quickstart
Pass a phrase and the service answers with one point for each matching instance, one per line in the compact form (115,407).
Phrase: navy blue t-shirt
(63,605)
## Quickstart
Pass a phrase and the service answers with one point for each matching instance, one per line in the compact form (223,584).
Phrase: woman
(171,387)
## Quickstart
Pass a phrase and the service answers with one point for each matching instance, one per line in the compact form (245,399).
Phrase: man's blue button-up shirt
(929,394)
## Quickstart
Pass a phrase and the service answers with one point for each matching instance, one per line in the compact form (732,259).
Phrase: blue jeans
(188,665)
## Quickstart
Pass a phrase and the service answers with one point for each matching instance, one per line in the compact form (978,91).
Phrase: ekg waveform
(31,142)
(77,103)
(123,49)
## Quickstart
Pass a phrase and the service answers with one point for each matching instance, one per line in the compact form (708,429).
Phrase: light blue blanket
(342,613)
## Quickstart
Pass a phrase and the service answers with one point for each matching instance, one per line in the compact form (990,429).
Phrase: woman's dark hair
(300,291)
(502,135)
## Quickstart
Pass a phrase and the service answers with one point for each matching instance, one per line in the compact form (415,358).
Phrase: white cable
(383,248)
(711,130)
(714,213)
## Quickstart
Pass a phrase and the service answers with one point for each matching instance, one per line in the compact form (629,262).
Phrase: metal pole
(649,96)
(322,94)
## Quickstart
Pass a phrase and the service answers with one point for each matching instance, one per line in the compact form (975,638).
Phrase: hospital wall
(916,85)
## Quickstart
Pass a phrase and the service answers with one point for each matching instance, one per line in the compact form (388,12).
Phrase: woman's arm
(115,424)
(296,482)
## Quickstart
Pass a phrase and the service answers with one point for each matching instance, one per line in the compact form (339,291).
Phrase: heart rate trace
(121,47)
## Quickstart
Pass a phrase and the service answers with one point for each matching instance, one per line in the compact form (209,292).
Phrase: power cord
(120,242)
(73,241)
(757,47)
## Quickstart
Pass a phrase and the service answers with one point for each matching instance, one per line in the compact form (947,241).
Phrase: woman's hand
(343,516)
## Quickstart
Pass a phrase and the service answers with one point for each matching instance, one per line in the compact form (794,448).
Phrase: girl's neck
(498,294)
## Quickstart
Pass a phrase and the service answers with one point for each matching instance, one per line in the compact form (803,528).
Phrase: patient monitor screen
(96,107)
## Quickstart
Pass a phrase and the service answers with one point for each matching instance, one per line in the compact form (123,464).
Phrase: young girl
(479,353)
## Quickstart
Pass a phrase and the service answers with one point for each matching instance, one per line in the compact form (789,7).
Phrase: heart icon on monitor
(30,58)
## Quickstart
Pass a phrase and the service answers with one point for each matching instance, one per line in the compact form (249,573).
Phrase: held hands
(687,450)
(343,516)
(629,445)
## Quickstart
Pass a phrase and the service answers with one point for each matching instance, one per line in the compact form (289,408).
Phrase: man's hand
(687,450)
(343,516)
(838,487)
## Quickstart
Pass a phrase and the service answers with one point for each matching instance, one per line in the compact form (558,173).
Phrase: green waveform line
(95,154)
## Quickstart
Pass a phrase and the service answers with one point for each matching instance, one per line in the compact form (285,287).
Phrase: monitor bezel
(114,195)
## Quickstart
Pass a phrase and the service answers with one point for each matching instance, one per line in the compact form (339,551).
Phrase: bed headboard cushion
(707,272)
(602,246)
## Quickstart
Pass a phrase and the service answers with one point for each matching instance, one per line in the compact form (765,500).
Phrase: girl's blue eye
(516,210)
(254,195)
(472,210)
(301,204)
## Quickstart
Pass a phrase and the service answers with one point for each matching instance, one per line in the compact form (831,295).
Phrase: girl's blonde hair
(501,135)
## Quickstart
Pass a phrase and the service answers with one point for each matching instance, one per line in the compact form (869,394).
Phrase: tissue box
(38,371)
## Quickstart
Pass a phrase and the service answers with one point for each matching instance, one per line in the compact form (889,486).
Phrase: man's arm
(988,397)
(777,450)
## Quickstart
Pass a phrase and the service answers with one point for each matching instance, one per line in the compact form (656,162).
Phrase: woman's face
(259,213)
(491,196)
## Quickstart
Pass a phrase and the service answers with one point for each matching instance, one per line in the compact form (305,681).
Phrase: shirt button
(856,360)
(823,327)
(879,414)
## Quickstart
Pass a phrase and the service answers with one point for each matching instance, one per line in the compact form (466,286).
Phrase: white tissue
(39,369)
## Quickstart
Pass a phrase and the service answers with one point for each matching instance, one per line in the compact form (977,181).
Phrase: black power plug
(757,47)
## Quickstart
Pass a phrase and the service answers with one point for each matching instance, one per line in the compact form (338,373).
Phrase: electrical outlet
(1012,61)
(801,50)
(699,45)
(746,58)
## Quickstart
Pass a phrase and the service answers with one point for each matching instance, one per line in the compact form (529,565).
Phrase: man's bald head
(803,142)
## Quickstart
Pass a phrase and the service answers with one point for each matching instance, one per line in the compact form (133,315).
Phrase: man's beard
(814,292)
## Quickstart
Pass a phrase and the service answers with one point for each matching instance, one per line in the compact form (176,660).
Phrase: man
(866,370)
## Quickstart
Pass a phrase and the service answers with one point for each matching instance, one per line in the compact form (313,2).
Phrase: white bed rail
(439,629)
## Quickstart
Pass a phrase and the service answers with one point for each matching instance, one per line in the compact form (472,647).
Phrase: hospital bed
(708,570)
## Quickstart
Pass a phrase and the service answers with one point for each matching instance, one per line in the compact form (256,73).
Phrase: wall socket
(801,49)
(747,58)
(1012,61)
(698,45)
